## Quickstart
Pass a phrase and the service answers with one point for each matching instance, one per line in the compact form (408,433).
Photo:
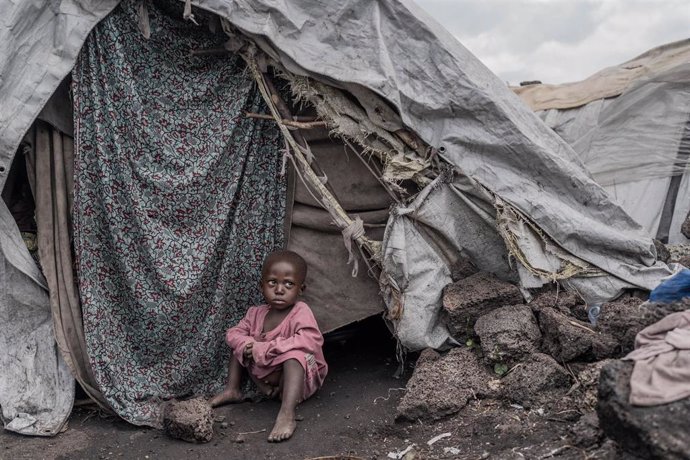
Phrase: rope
(187,14)
(352,232)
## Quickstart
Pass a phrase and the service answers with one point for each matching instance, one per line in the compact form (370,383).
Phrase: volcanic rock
(625,317)
(190,420)
(685,227)
(662,252)
(462,269)
(466,300)
(534,381)
(657,432)
(587,375)
(443,386)
(567,302)
(508,334)
(566,338)
(587,432)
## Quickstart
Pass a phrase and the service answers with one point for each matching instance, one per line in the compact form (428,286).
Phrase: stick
(556,451)
(209,52)
(252,432)
(291,123)
(582,327)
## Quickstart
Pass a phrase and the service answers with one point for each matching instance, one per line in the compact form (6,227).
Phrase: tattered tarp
(440,90)
(178,197)
(36,387)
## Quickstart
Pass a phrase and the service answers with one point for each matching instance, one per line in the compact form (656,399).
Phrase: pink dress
(296,337)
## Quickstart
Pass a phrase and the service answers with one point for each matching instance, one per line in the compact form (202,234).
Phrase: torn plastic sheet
(36,386)
(454,217)
(448,220)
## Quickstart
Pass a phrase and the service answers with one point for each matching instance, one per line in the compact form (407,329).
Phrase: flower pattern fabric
(178,197)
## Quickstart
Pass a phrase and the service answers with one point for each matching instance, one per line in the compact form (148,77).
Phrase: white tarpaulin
(637,147)
(36,387)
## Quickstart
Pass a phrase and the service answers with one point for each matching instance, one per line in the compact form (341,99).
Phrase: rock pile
(543,356)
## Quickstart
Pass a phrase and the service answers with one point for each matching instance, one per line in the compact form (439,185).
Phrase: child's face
(281,284)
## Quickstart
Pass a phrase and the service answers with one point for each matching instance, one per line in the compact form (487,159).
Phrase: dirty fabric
(608,82)
(177,199)
(673,289)
(420,246)
(662,362)
(50,162)
(334,295)
(637,145)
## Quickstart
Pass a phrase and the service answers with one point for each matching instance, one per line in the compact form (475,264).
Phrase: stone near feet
(190,420)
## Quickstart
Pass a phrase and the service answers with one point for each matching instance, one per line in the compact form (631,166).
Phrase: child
(279,344)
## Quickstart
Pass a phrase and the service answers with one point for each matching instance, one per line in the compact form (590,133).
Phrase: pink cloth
(296,337)
(662,362)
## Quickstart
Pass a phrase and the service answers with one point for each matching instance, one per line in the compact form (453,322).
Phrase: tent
(469,172)
(630,126)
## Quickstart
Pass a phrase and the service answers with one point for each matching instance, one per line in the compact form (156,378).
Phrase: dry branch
(292,123)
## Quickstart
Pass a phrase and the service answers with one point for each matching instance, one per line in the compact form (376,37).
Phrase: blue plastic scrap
(673,289)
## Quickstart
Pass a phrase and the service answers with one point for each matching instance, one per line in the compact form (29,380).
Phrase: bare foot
(227,396)
(284,427)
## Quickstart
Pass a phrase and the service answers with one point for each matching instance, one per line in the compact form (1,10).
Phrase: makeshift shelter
(630,126)
(421,123)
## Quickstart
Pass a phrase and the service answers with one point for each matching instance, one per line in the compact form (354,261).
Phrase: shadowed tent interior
(416,157)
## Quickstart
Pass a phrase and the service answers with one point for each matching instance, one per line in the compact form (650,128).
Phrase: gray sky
(558,41)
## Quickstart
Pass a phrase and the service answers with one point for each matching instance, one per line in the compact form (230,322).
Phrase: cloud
(556,41)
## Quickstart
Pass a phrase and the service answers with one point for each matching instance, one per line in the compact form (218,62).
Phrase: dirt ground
(353,416)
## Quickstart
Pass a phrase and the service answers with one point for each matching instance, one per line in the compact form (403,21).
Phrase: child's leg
(293,389)
(231,393)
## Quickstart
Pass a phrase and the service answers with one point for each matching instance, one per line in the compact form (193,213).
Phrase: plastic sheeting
(637,147)
(36,387)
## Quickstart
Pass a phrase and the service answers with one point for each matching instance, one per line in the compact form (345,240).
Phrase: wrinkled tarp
(609,82)
(637,147)
(422,242)
(36,387)
(178,197)
(441,91)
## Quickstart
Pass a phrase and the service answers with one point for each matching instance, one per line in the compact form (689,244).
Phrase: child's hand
(248,350)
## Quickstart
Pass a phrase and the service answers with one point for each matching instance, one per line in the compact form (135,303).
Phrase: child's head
(282,278)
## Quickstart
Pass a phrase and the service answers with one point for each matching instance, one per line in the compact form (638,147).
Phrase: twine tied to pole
(352,232)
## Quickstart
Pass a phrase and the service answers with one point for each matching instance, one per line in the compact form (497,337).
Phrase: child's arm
(239,339)
(307,339)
